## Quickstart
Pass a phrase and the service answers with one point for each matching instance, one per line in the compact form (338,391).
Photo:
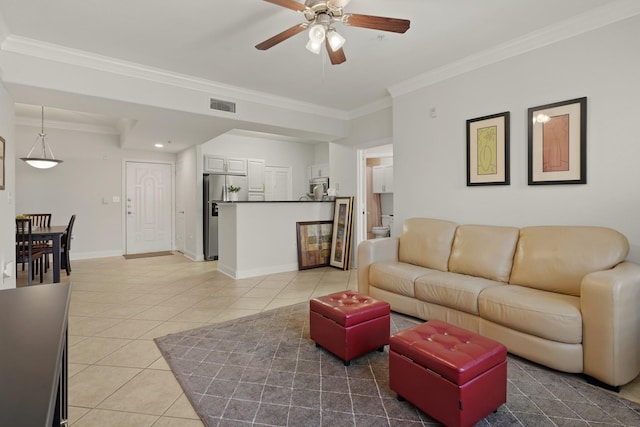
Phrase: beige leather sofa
(561,296)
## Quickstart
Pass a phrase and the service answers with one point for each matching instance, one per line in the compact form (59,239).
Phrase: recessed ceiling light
(158,145)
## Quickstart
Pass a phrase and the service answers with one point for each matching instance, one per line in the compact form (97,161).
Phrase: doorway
(149,218)
(374,204)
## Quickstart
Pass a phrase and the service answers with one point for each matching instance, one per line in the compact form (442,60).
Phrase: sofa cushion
(543,314)
(426,242)
(556,258)
(484,251)
(396,277)
(452,290)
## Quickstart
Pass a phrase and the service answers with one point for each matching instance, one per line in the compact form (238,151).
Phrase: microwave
(324,182)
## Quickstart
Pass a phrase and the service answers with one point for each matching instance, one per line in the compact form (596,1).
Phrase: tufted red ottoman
(349,324)
(454,375)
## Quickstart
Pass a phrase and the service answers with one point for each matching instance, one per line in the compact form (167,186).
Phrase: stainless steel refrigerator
(215,190)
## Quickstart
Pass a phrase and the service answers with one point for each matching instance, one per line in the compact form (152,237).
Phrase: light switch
(115,199)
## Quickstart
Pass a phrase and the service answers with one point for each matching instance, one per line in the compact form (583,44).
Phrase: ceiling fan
(320,16)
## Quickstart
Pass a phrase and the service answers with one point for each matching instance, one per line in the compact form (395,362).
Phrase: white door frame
(176,244)
(123,198)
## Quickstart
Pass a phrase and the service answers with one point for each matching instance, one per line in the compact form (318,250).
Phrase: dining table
(54,234)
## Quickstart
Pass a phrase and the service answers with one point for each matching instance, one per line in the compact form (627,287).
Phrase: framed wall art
(314,243)
(2,165)
(558,143)
(488,150)
(341,241)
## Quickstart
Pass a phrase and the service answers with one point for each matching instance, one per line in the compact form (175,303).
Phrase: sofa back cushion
(426,242)
(556,258)
(484,251)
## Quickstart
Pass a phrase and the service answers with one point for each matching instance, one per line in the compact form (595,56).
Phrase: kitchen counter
(278,201)
(259,238)
(33,359)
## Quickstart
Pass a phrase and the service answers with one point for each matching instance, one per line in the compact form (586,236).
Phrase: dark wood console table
(33,355)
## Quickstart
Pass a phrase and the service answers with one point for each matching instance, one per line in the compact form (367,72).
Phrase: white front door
(148,207)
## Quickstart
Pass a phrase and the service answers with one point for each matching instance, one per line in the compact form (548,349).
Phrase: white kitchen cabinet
(319,171)
(256,197)
(224,165)
(255,175)
(383,179)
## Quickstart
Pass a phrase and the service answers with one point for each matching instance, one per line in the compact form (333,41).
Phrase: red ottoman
(453,375)
(349,324)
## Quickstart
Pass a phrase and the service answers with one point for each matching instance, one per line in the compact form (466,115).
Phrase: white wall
(7,206)
(430,153)
(373,126)
(189,183)
(92,170)
(275,153)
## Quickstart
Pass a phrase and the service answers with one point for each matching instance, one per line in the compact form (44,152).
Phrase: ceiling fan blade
(336,57)
(338,3)
(280,37)
(376,22)
(289,4)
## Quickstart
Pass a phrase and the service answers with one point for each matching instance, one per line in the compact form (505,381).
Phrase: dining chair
(25,253)
(66,245)
(41,220)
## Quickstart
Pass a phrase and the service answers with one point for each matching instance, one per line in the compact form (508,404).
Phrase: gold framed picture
(341,241)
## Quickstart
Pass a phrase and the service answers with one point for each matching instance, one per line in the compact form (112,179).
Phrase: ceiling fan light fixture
(317,33)
(42,162)
(314,47)
(336,41)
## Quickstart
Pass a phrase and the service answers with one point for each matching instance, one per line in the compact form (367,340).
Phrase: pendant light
(42,162)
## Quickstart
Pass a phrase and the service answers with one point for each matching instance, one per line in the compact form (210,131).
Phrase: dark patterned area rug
(263,370)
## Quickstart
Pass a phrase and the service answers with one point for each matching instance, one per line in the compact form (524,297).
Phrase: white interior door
(149,209)
(278,183)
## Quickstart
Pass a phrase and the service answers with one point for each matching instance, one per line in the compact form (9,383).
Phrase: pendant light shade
(42,162)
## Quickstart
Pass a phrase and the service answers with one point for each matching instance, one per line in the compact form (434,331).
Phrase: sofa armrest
(371,251)
(610,304)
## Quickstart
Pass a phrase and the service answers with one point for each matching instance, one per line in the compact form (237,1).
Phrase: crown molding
(372,107)
(61,125)
(588,21)
(57,53)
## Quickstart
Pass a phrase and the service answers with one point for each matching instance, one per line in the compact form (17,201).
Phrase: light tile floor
(117,376)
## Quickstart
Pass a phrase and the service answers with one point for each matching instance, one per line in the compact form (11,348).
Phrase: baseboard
(90,255)
(246,274)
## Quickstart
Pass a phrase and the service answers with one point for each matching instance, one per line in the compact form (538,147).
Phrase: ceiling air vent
(217,104)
